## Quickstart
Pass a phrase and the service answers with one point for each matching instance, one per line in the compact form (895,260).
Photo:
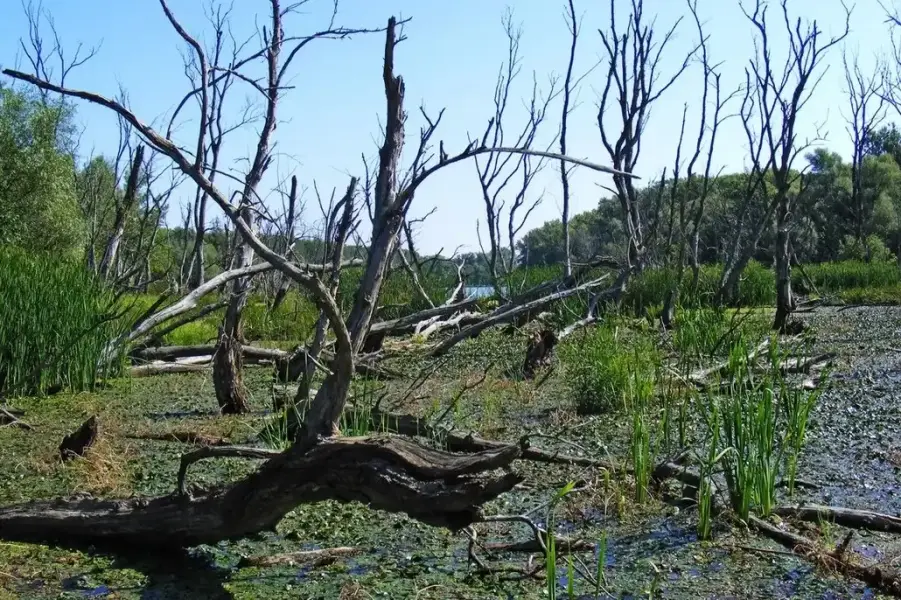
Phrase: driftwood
(13,418)
(885,581)
(78,442)
(459,441)
(386,473)
(315,558)
(846,517)
(151,369)
(506,314)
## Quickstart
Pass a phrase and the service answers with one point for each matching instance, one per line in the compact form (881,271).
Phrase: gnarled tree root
(386,473)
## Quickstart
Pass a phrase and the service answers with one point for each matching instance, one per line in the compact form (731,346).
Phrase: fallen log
(846,517)
(883,580)
(13,418)
(314,558)
(459,441)
(699,378)
(152,369)
(183,437)
(506,314)
(77,443)
(406,325)
(385,473)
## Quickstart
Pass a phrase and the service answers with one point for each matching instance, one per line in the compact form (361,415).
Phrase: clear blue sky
(450,60)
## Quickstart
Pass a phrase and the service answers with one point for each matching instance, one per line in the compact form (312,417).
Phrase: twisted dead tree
(500,170)
(689,201)
(632,87)
(866,112)
(388,473)
(780,96)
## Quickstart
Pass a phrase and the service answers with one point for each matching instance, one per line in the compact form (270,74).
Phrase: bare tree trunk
(785,304)
(285,283)
(573,23)
(123,208)
(339,232)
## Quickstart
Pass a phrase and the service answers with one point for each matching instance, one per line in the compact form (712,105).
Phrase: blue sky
(450,60)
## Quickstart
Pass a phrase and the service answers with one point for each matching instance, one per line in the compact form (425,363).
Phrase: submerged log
(78,442)
(315,558)
(846,517)
(386,473)
(884,580)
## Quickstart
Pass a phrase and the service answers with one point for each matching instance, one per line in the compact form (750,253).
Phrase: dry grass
(103,470)
(353,591)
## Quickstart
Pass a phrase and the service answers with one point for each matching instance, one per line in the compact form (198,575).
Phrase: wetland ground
(853,454)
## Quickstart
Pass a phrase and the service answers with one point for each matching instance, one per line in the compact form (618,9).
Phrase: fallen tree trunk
(251,354)
(505,315)
(884,580)
(406,325)
(459,441)
(166,369)
(386,473)
(846,517)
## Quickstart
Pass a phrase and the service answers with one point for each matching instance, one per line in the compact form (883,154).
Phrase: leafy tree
(38,206)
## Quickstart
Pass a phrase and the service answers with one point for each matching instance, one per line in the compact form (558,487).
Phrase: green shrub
(293,321)
(602,363)
(56,320)
(851,274)
(852,249)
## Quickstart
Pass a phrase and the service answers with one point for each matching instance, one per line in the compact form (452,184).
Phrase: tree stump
(78,442)
(538,353)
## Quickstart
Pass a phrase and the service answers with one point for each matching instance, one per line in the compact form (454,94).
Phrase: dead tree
(387,473)
(340,223)
(570,88)
(499,170)
(632,87)
(780,97)
(867,112)
(288,240)
(689,202)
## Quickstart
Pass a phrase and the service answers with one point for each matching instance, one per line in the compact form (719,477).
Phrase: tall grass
(550,556)
(56,320)
(602,363)
(640,396)
(756,430)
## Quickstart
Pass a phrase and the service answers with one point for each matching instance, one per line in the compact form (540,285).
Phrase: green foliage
(603,363)
(846,275)
(38,207)
(650,288)
(55,323)
(294,320)
(852,249)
